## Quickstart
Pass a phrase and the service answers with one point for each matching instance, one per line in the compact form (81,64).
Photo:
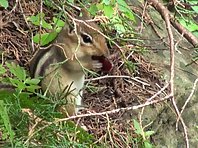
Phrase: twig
(108,129)
(114,76)
(189,97)
(99,114)
(166,16)
(11,10)
(188,35)
(24,17)
(159,92)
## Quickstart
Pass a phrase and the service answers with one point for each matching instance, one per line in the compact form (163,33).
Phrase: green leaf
(71,1)
(32,88)
(17,83)
(46,38)
(147,144)
(195,8)
(32,81)
(195,33)
(93,9)
(16,70)
(118,24)
(138,129)
(106,2)
(100,6)
(191,26)
(58,22)
(122,5)
(6,121)
(36,19)
(39,20)
(108,11)
(4,3)
(2,70)
(148,133)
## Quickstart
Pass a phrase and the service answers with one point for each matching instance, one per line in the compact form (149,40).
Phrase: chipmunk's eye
(86,38)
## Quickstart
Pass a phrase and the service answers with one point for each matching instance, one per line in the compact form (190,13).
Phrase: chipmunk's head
(87,44)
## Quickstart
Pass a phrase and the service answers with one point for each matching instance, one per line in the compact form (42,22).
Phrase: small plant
(143,136)
(55,27)
(110,9)
(24,87)
(187,16)
(15,123)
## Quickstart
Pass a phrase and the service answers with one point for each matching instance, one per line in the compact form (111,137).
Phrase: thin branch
(189,97)
(99,114)
(166,16)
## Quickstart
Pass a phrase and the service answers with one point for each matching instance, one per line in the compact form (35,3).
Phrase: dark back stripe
(55,57)
(35,60)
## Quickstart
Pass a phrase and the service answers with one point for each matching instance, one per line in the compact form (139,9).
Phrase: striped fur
(75,50)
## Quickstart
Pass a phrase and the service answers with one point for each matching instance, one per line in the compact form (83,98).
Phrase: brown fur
(75,55)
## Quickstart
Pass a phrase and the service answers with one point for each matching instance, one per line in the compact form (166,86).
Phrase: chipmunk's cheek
(102,63)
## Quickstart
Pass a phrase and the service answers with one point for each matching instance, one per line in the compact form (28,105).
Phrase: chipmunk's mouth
(101,62)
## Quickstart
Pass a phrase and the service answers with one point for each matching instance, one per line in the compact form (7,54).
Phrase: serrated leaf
(46,25)
(46,38)
(32,81)
(36,19)
(32,88)
(17,71)
(4,3)
(138,129)
(17,83)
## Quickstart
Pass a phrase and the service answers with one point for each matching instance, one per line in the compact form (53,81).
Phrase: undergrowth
(27,116)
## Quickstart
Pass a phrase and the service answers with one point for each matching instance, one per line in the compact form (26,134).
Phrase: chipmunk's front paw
(101,62)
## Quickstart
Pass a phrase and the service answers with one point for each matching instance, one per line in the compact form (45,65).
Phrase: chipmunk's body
(62,65)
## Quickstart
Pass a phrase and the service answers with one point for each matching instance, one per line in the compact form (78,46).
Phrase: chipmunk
(62,65)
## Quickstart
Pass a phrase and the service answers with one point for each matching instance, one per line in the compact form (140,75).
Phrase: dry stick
(189,97)
(24,17)
(40,22)
(99,114)
(142,17)
(188,35)
(122,76)
(165,15)
(108,129)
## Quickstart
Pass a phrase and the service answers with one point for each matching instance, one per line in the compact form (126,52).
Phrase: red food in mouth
(106,64)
